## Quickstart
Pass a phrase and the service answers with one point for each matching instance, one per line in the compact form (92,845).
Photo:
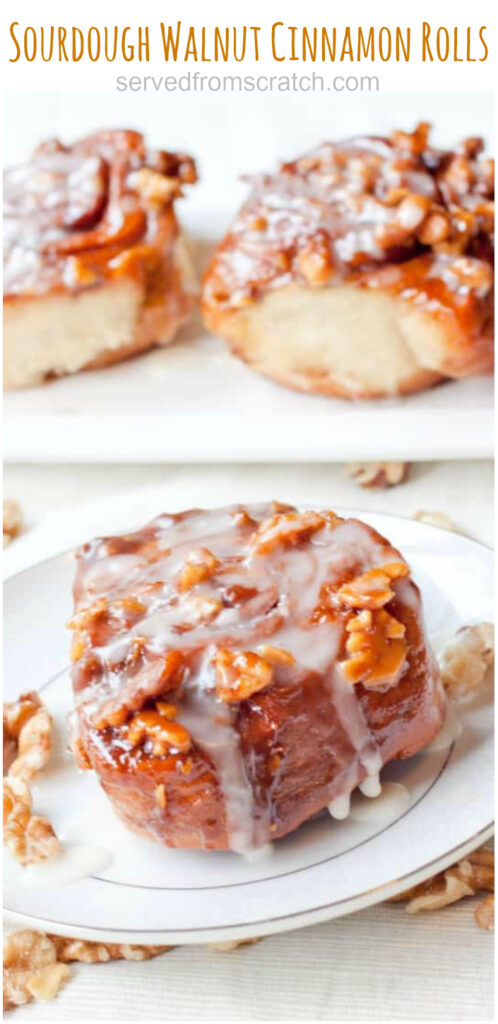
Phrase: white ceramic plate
(144,893)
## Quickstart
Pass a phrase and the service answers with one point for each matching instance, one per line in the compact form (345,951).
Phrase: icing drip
(339,808)
(211,725)
(371,786)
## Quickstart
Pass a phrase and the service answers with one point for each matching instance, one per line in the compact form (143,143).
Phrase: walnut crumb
(472,875)
(30,969)
(485,913)
(465,661)
(12,520)
(379,475)
(436,519)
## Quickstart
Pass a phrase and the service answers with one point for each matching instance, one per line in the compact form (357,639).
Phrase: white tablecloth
(376,965)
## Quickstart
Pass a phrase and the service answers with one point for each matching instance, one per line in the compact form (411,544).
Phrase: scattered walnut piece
(29,959)
(228,947)
(239,674)
(15,715)
(46,983)
(29,837)
(465,661)
(436,519)
(468,877)
(27,730)
(12,520)
(86,952)
(485,913)
(379,475)
(34,744)
(35,965)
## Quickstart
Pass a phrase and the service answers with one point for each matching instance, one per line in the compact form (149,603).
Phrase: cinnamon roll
(238,670)
(95,268)
(363,269)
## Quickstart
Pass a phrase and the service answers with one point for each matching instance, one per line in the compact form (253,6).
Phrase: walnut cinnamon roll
(95,267)
(363,269)
(236,671)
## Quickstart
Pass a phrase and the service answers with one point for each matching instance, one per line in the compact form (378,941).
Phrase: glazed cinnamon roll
(236,671)
(95,268)
(363,269)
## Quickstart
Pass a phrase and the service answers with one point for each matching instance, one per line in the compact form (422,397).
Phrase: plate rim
(266,926)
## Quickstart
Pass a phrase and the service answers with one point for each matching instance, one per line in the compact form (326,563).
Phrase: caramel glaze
(76,216)
(154,609)
(392,214)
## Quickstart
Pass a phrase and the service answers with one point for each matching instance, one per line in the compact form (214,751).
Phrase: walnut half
(379,475)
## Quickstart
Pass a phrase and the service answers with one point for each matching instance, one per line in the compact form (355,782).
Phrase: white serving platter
(195,402)
(145,893)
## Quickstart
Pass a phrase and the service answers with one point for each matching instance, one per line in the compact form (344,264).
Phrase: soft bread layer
(337,341)
(62,333)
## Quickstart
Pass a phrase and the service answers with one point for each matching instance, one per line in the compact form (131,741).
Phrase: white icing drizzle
(339,808)
(211,725)
(71,865)
(353,721)
(392,802)
(371,786)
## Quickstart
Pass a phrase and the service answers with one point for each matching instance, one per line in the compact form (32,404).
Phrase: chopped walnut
(379,475)
(485,913)
(85,952)
(35,965)
(163,734)
(228,947)
(468,877)
(30,969)
(15,715)
(155,187)
(29,837)
(239,674)
(199,565)
(28,736)
(466,659)
(12,520)
(436,519)
(373,588)
(86,616)
(204,608)
(34,744)
(314,261)
(376,648)
(287,529)
(275,655)
(160,796)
